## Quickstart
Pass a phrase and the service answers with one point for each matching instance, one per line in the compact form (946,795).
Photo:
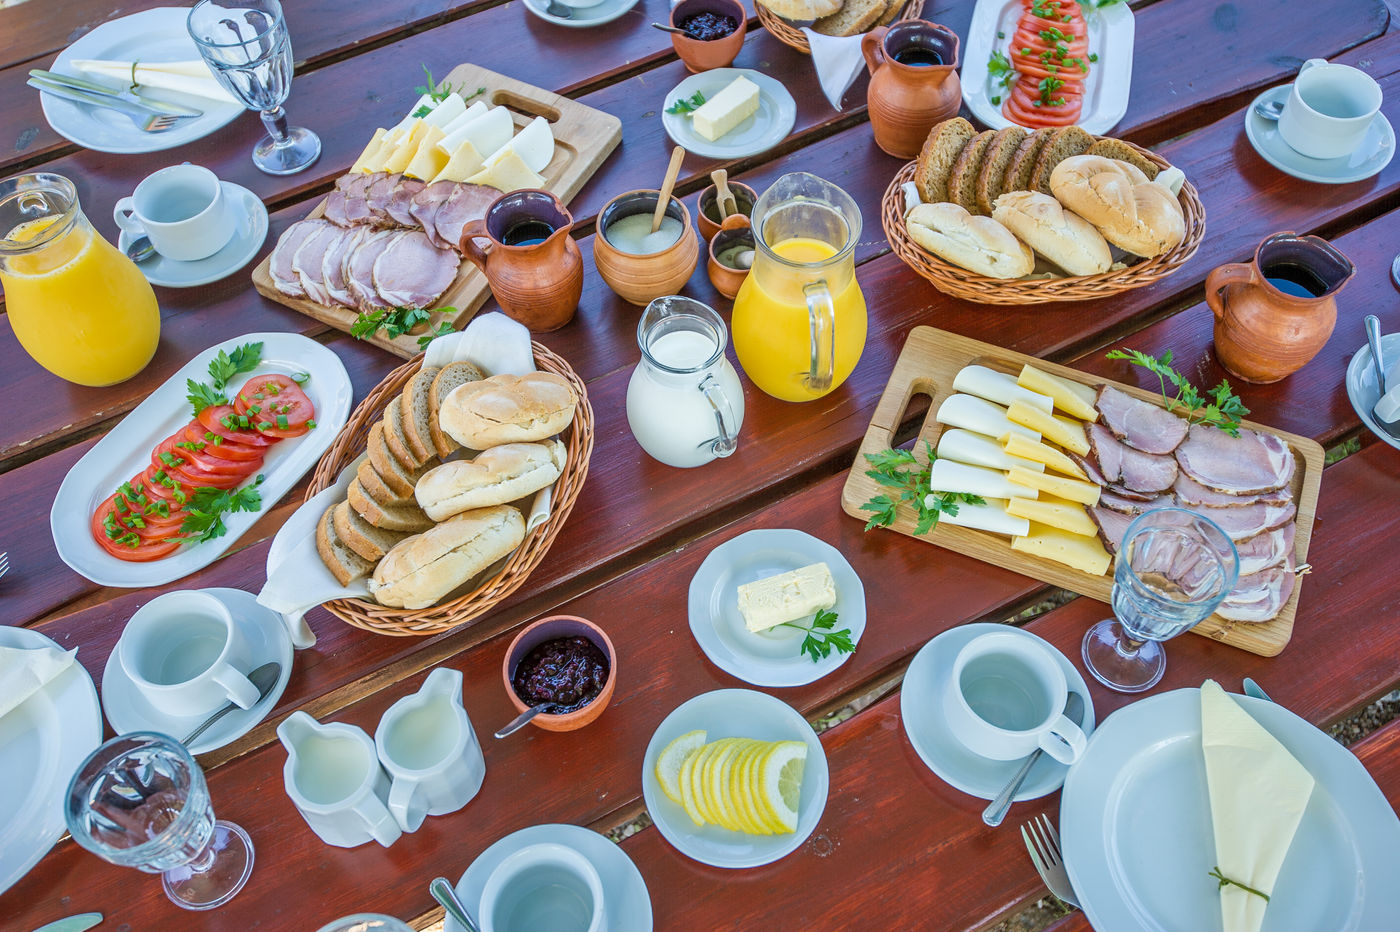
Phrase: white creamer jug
(333,777)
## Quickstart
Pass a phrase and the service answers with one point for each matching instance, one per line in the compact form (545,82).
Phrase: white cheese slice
(404,125)
(487,132)
(465,117)
(1258,792)
(980,416)
(534,144)
(999,387)
(785,597)
(980,450)
(510,173)
(950,476)
(447,110)
(721,113)
(989,517)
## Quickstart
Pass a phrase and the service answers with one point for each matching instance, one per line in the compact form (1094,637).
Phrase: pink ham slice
(284,278)
(412,272)
(425,206)
(335,209)
(1192,494)
(1112,525)
(467,202)
(307,261)
(359,269)
(377,198)
(1249,464)
(401,201)
(1259,597)
(1132,469)
(1265,550)
(1139,424)
(1246,523)
(1090,469)
(333,266)
(1116,501)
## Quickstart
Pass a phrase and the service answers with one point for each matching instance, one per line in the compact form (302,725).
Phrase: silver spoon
(1270,110)
(442,892)
(679,32)
(1373,336)
(997,809)
(264,678)
(555,8)
(523,719)
(140,249)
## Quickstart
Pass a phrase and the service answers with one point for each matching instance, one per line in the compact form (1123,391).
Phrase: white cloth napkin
(187,77)
(25,671)
(838,60)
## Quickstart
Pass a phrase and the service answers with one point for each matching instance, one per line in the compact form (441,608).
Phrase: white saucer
(777,112)
(582,16)
(127,710)
(1361,383)
(768,658)
(1375,152)
(624,890)
(247,211)
(920,709)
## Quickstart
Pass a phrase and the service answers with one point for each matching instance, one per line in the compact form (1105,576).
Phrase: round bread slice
(497,476)
(1060,235)
(359,535)
(414,403)
(373,483)
(508,409)
(978,244)
(452,375)
(426,567)
(406,517)
(345,564)
(992,177)
(941,149)
(962,182)
(395,439)
(1131,212)
(399,478)
(802,10)
(1022,164)
(853,18)
(1117,149)
(1063,143)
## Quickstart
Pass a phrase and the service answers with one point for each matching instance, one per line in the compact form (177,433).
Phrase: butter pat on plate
(731,106)
(767,603)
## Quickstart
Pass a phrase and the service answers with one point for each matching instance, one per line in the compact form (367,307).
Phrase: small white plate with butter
(761,131)
(773,657)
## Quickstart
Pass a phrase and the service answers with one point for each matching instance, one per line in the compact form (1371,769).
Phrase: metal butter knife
(106,92)
(78,923)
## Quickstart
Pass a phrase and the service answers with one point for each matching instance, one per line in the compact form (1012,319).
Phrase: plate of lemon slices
(735,778)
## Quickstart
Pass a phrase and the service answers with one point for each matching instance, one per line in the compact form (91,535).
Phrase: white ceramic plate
(1375,152)
(148,36)
(126,450)
(920,710)
(777,112)
(735,713)
(773,657)
(249,217)
(1361,383)
(1139,846)
(42,742)
(624,890)
(1105,90)
(581,17)
(127,710)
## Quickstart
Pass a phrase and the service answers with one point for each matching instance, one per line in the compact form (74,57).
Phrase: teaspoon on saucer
(1270,110)
(264,678)
(140,249)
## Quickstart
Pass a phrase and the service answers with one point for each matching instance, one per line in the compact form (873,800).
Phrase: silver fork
(146,119)
(1043,844)
(4,563)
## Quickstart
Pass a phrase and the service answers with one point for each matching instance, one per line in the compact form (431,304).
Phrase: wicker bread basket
(788,34)
(960,283)
(488,592)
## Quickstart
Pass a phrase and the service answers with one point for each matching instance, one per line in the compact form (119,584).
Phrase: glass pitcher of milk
(684,403)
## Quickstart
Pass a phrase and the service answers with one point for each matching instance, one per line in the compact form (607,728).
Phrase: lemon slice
(687,788)
(697,783)
(741,787)
(781,781)
(717,784)
(671,759)
(754,785)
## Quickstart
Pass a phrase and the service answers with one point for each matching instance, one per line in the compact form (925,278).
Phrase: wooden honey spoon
(724,198)
(663,199)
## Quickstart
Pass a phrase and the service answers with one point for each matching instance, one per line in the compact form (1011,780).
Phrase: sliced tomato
(278,433)
(197,480)
(276,406)
(220,448)
(212,420)
(145,550)
(203,462)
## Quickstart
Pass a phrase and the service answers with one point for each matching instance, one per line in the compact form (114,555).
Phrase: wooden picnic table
(896,848)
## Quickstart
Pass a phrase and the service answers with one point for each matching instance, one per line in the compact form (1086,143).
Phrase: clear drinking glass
(1174,568)
(140,801)
(246,45)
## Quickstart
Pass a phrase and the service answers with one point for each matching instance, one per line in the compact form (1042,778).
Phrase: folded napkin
(838,60)
(25,671)
(186,77)
(1258,792)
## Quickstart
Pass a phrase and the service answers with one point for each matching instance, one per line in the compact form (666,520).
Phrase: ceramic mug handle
(239,689)
(407,805)
(125,216)
(1233,273)
(1311,63)
(378,819)
(872,46)
(1063,740)
(470,249)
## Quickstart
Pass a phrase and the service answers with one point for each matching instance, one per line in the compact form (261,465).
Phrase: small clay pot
(548,629)
(727,279)
(640,279)
(698,55)
(707,206)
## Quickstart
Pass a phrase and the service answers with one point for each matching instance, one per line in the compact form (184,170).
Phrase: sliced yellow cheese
(510,173)
(405,149)
(963,446)
(388,143)
(999,387)
(1055,512)
(464,163)
(1070,397)
(1074,550)
(1067,433)
(370,152)
(1062,486)
(428,160)
(979,416)
(1043,455)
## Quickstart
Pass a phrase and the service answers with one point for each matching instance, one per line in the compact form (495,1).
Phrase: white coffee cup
(182,209)
(1006,698)
(543,886)
(186,654)
(426,743)
(1328,110)
(333,777)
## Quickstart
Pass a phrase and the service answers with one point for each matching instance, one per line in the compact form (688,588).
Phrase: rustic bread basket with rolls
(789,34)
(487,591)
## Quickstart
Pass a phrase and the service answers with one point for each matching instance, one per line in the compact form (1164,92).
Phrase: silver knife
(72,923)
(102,90)
(138,112)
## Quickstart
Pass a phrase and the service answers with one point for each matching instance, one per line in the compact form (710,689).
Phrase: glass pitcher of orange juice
(799,318)
(79,307)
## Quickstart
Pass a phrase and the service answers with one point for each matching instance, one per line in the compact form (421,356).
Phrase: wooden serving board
(583,138)
(926,366)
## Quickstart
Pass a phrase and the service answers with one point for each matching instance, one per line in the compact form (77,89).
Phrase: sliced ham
(1268,549)
(425,206)
(1135,505)
(1133,469)
(284,278)
(333,265)
(466,203)
(335,209)
(1123,491)
(1249,464)
(377,198)
(1139,424)
(402,199)
(1192,494)
(1090,469)
(307,260)
(1112,525)
(359,269)
(1243,524)
(412,272)
(1259,597)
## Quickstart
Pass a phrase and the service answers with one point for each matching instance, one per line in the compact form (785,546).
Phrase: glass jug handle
(821,317)
(728,439)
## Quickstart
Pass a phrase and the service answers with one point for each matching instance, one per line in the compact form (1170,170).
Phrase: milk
(670,412)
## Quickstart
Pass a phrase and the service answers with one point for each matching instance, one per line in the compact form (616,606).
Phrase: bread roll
(508,409)
(802,10)
(1131,212)
(978,244)
(497,476)
(1060,235)
(421,569)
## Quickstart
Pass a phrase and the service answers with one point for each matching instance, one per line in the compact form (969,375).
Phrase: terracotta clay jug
(913,83)
(1274,314)
(533,264)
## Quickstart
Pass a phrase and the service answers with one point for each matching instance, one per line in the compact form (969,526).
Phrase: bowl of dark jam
(566,660)
(714,32)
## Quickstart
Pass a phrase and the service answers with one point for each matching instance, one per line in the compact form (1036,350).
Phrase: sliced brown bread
(854,18)
(991,178)
(962,182)
(359,535)
(891,13)
(394,473)
(407,517)
(1022,164)
(941,149)
(414,404)
(394,437)
(1062,143)
(1117,149)
(452,375)
(375,484)
(345,564)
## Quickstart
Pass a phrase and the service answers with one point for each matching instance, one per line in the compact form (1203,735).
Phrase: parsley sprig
(1227,882)
(222,367)
(1001,74)
(687,104)
(1223,409)
(820,639)
(438,94)
(206,508)
(900,471)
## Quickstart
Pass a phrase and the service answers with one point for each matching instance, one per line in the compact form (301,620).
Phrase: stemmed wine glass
(1173,570)
(246,44)
(140,801)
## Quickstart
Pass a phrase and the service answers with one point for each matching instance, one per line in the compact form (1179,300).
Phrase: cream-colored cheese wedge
(186,77)
(510,173)
(964,446)
(447,110)
(534,144)
(980,416)
(1042,454)
(1074,490)
(731,106)
(1064,431)
(950,476)
(1073,550)
(989,517)
(427,159)
(406,124)
(766,603)
(371,151)
(1070,397)
(487,132)
(1258,792)
(999,387)
(462,119)
(1055,512)
(465,162)
(405,149)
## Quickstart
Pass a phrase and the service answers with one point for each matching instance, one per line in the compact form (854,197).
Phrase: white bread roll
(1131,212)
(497,476)
(802,10)
(507,409)
(1060,235)
(421,569)
(978,244)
